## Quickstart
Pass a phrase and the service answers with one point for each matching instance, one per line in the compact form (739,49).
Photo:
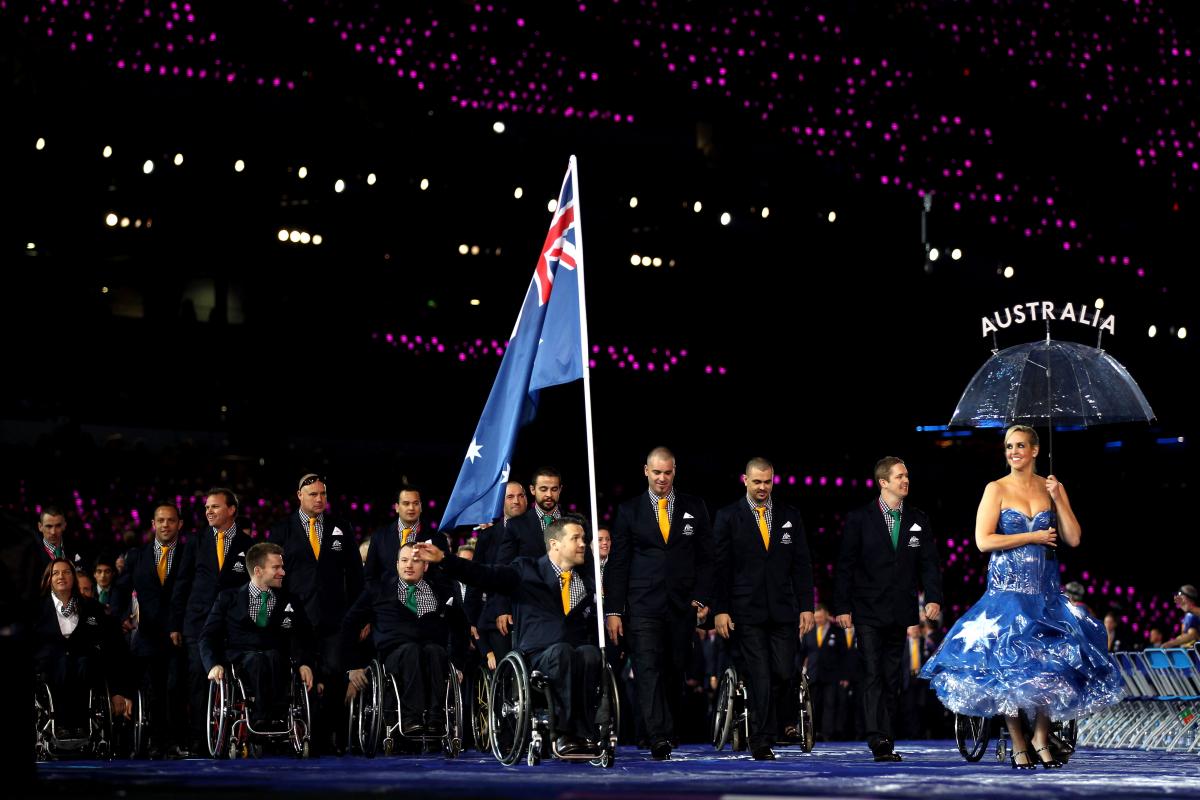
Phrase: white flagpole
(587,404)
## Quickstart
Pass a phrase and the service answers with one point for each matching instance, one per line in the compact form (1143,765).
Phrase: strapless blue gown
(1024,645)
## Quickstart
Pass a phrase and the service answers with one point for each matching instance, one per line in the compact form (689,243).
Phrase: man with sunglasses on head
(324,571)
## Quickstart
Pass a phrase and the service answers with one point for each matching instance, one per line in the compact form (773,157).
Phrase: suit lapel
(881,527)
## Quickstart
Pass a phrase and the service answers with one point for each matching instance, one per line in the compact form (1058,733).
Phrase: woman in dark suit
(76,646)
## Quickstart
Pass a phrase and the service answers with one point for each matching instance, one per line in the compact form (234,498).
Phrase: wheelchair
(51,740)
(230,733)
(376,717)
(521,716)
(973,734)
(731,714)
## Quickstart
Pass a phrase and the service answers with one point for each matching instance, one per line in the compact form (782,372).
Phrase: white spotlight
(317,238)
(726,218)
(518,193)
(498,127)
(111,220)
(635,259)
(1182,334)
(304,237)
(552,206)
(697,206)
(302,173)
(463,249)
(41,143)
(179,159)
(125,222)
(633,202)
(475,300)
(147,167)
(371,179)
(283,234)
(339,186)
(1009,272)
(832,216)
(1153,331)
(933,254)
(1099,302)
(424,184)
(107,151)
(239,165)
(647,261)
(955,254)
(657,262)
(294,237)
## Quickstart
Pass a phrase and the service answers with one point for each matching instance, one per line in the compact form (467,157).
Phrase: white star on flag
(474,451)
(504,473)
(978,630)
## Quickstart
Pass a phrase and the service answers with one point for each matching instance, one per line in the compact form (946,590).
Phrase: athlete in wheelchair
(79,656)
(762,602)
(410,692)
(554,693)
(255,695)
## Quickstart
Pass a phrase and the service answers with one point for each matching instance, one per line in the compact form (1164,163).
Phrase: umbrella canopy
(1053,383)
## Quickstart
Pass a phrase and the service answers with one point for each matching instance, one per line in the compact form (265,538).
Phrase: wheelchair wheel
(301,717)
(740,741)
(220,713)
(452,743)
(138,725)
(804,706)
(1062,739)
(370,718)
(972,734)
(725,709)
(480,689)
(509,710)
(102,723)
(43,707)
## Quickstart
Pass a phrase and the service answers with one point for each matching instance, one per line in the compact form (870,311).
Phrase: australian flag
(545,349)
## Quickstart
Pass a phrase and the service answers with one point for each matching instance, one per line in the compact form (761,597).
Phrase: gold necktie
(162,564)
(404,534)
(312,537)
(762,526)
(915,649)
(820,635)
(566,591)
(849,637)
(220,550)
(664,519)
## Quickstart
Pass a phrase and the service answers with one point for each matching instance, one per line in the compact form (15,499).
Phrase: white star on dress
(474,451)
(978,630)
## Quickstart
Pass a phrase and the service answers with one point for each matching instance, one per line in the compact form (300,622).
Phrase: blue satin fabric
(1024,645)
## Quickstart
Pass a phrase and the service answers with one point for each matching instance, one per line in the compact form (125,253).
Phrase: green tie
(546,520)
(410,598)
(58,552)
(263,611)
(103,596)
(894,513)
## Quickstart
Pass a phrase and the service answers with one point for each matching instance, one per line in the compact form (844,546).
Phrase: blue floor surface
(929,769)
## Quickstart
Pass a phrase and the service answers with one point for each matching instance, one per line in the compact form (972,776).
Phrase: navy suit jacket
(161,606)
(384,551)
(478,603)
(230,630)
(877,583)
(537,600)
(755,584)
(394,624)
(826,663)
(644,576)
(326,586)
(209,580)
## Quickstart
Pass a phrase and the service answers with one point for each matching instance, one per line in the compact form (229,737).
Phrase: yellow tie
(312,537)
(915,649)
(404,534)
(762,526)
(162,565)
(850,638)
(820,635)
(664,519)
(220,550)
(566,591)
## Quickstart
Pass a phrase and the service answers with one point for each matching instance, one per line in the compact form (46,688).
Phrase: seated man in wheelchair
(256,627)
(78,649)
(554,608)
(412,623)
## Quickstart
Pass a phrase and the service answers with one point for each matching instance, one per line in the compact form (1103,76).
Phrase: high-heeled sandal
(1029,764)
(1053,763)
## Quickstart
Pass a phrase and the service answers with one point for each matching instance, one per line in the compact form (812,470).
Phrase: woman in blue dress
(1024,645)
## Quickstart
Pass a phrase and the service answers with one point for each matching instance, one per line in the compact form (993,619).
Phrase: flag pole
(587,406)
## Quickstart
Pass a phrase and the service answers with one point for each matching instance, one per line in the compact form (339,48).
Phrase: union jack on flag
(559,247)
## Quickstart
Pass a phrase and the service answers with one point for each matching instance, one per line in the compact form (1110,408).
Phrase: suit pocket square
(916,527)
(337,532)
(686,515)
(787,524)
